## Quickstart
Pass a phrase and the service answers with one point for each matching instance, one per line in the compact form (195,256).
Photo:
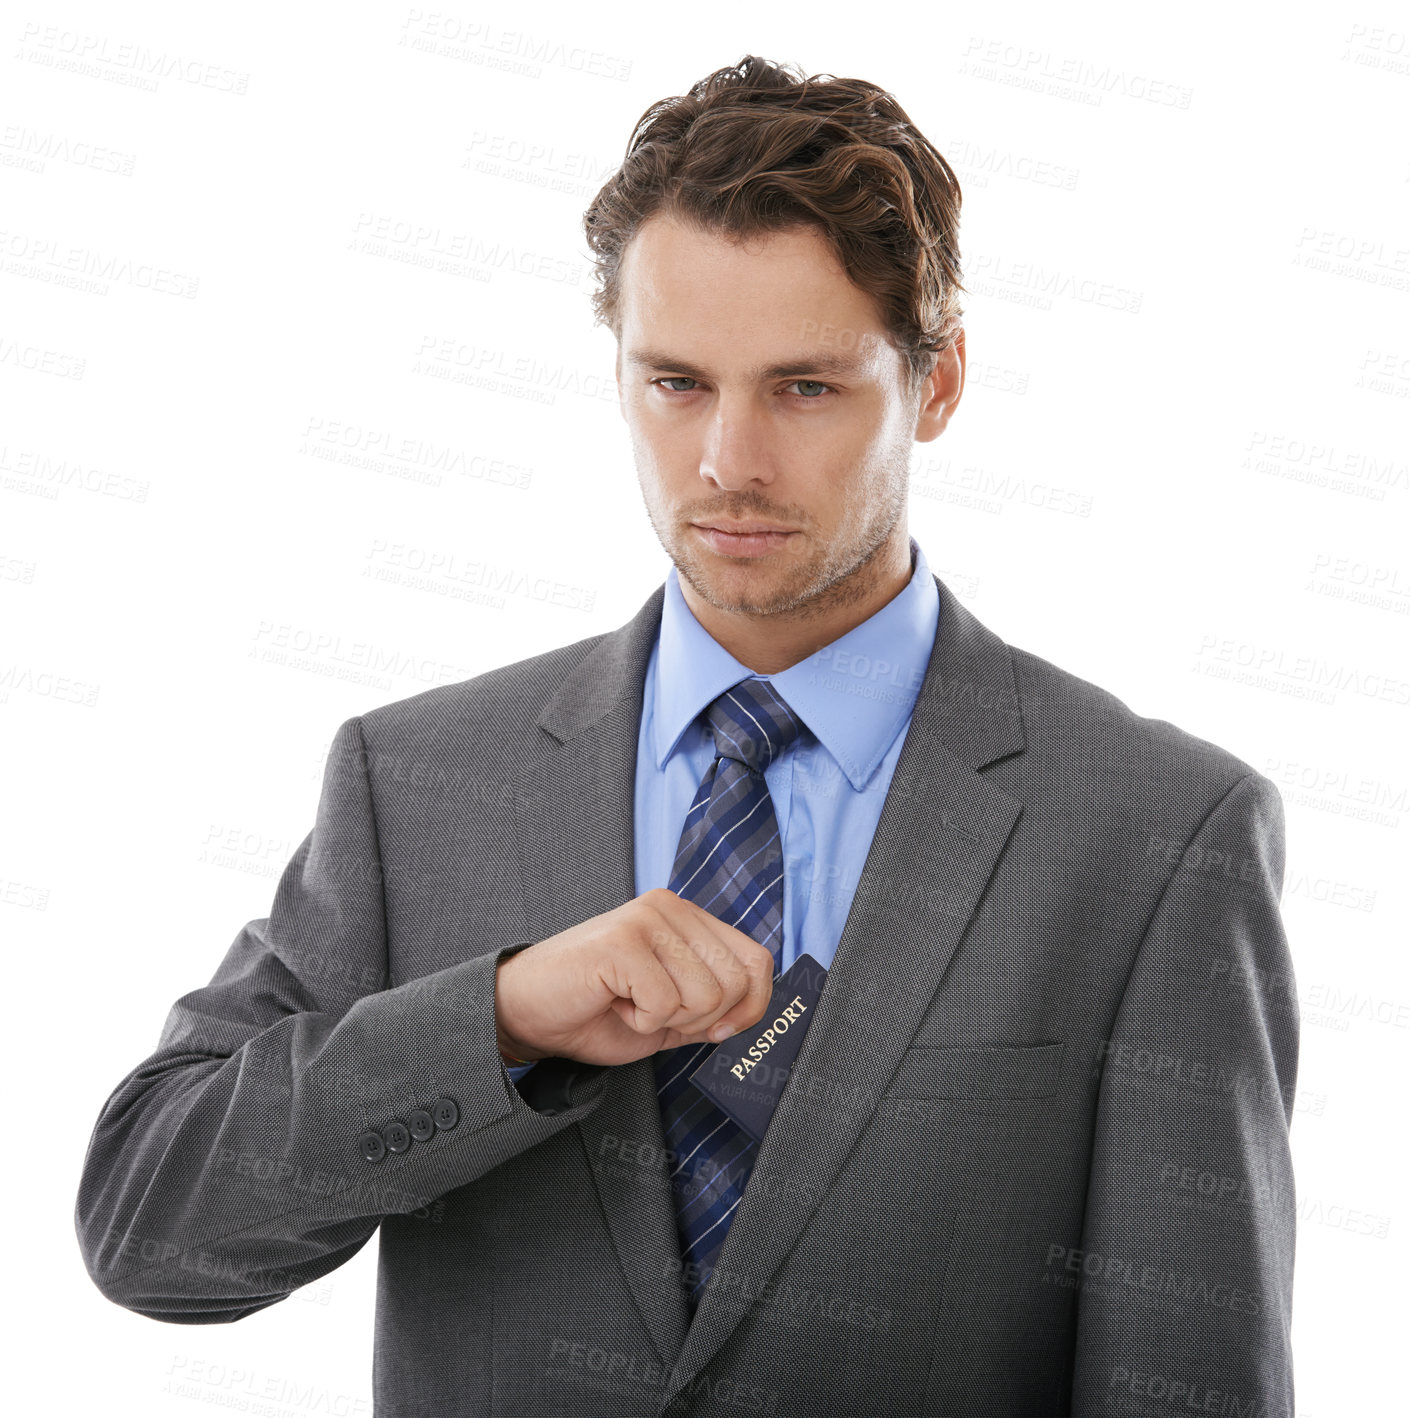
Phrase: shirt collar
(855,694)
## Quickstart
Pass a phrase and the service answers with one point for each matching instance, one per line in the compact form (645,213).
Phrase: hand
(656,973)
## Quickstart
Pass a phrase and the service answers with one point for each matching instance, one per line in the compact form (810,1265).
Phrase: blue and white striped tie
(730,863)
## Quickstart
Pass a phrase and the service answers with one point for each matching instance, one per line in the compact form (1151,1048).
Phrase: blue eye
(688,379)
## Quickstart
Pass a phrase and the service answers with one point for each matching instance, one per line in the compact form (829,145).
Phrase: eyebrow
(795,367)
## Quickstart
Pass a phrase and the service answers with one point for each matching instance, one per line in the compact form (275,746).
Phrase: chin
(744,587)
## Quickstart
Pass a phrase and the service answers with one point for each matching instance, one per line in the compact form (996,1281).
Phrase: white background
(1180,469)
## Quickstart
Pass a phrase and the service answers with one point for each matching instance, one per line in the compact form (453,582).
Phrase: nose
(737,448)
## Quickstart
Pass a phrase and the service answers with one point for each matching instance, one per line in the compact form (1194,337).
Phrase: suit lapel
(936,845)
(576,803)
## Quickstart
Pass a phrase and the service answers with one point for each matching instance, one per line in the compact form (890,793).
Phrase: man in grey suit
(1031,1156)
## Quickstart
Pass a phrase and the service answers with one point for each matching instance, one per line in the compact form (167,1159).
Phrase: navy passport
(744,1075)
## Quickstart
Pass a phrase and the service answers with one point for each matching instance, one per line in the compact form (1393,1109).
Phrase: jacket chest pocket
(981,1071)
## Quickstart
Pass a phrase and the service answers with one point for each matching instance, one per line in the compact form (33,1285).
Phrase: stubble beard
(803,585)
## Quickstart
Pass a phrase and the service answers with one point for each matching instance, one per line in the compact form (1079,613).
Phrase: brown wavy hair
(757,147)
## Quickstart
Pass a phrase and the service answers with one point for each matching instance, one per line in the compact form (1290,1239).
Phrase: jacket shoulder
(505,695)
(1077,727)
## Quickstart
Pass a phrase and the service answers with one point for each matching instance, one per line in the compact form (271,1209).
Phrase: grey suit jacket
(1032,1159)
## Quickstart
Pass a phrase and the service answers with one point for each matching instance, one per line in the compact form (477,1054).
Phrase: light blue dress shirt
(856,695)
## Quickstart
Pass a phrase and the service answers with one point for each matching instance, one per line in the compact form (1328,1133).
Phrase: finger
(747,969)
(747,1011)
(732,953)
(692,965)
(742,945)
(743,967)
(645,1041)
(645,993)
(751,1008)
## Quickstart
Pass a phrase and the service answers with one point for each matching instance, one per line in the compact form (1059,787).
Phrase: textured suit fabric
(1063,989)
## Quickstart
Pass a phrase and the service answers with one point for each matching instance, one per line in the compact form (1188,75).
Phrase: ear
(943,387)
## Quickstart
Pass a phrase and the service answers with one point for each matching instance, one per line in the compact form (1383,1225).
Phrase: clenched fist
(653,974)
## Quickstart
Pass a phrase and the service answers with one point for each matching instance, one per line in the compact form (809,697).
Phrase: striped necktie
(730,863)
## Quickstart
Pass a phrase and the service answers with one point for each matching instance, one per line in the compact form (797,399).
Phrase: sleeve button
(372,1147)
(445,1113)
(396,1136)
(422,1125)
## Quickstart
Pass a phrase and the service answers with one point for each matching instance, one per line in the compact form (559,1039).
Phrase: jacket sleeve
(1186,1264)
(296,1099)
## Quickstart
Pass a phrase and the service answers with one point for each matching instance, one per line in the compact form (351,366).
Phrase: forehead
(685,291)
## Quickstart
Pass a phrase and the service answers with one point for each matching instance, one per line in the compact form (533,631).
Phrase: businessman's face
(758,387)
